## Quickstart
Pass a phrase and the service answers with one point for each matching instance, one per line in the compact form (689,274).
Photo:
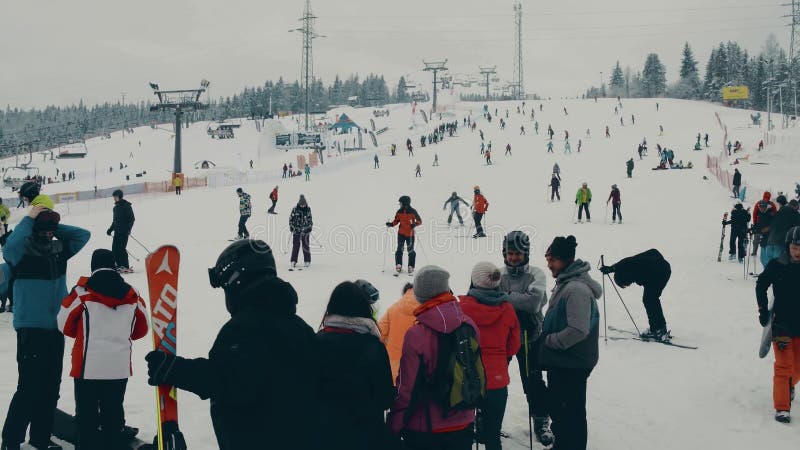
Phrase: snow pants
(99,414)
(119,245)
(490,418)
(40,357)
(453,440)
(652,303)
(530,373)
(568,401)
(243,233)
(271,209)
(581,208)
(736,190)
(478,226)
(616,211)
(554,193)
(756,243)
(736,243)
(786,375)
(299,239)
(457,212)
(408,242)
(630,173)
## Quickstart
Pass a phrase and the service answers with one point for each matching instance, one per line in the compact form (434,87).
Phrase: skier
(588,134)
(565,111)
(569,341)
(499,335)
(555,185)
(763,212)
(567,147)
(580,144)
(550,146)
(583,198)
(101,360)
(508,149)
(633,119)
(479,207)
(177,183)
(488,156)
(264,332)
(273,197)
(616,202)
(435,160)
(300,224)
(308,172)
(782,274)
(536,127)
(251,163)
(651,271)
(245,209)
(739,219)
(408,219)
(39,264)
(377,164)
(621,121)
(566,135)
(661,130)
(418,171)
(482,147)
(550,131)
(455,202)
(121,227)
(395,323)
(737,182)
(522,130)
(557,171)
(608,132)
(706,139)
(285,169)
(527,293)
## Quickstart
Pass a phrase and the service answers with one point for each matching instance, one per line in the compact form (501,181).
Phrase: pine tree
(688,63)
(401,95)
(654,79)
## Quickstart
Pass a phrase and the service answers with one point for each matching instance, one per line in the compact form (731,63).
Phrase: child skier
(408,219)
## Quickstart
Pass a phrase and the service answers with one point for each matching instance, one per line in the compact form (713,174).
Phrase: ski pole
(574,212)
(131,255)
(605,316)
(138,242)
(614,285)
(385,250)
(530,431)
(606,217)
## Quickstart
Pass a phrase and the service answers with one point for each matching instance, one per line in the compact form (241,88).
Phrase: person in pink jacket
(426,425)
(395,323)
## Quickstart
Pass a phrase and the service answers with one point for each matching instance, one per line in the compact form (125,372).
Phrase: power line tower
(307,68)
(179,101)
(518,84)
(435,67)
(487,72)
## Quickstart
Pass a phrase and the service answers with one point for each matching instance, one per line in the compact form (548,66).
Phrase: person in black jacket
(555,186)
(651,271)
(356,384)
(786,218)
(738,222)
(121,227)
(737,182)
(262,372)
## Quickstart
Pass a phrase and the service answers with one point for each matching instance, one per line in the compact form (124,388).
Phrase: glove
(159,365)
(606,269)
(109,231)
(413,225)
(389,224)
(763,317)
(783,342)
(576,202)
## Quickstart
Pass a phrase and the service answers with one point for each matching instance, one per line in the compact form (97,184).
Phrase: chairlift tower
(435,67)
(307,67)
(179,101)
(488,72)
(518,84)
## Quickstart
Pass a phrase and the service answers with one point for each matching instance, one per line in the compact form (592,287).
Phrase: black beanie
(102,259)
(563,248)
(47,220)
(117,193)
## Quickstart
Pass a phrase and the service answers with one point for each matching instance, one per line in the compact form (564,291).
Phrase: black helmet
(793,236)
(117,193)
(242,263)
(404,200)
(519,242)
(29,190)
(369,290)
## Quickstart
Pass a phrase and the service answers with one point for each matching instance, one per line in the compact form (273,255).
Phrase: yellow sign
(735,93)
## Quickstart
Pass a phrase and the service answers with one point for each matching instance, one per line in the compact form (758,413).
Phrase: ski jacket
(770,209)
(261,374)
(104,315)
(480,204)
(786,218)
(245,207)
(584,195)
(355,388)
(5,213)
(648,269)
(273,195)
(39,272)
(739,219)
(43,200)
(300,220)
(177,182)
(762,223)
(394,324)
(737,178)
(571,327)
(782,275)
(614,196)
(555,183)
(123,217)
(455,202)
(441,314)
(526,288)
(499,332)
(408,219)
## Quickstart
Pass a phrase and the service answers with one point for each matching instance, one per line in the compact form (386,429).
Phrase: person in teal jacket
(39,265)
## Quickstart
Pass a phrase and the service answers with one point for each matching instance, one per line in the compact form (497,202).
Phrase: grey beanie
(429,282)
(485,275)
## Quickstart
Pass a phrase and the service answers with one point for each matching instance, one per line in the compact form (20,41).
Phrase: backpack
(459,381)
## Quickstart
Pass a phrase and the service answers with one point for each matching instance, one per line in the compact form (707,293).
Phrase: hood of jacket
(579,271)
(270,294)
(441,313)
(108,283)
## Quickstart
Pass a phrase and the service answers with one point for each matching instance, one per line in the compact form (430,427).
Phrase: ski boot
(49,445)
(306,264)
(294,265)
(411,270)
(541,428)
(660,335)
(398,268)
(731,257)
(783,416)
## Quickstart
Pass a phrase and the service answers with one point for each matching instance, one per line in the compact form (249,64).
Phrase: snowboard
(162,280)
(65,428)
(766,338)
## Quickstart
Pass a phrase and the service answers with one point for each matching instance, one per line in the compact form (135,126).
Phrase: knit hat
(47,220)
(102,259)
(302,201)
(429,282)
(117,193)
(485,275)
(239,190)
(563,248)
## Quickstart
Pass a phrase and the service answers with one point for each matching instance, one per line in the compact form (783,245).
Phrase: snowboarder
(616,202)
(300,225)
(650,270)
(245,210)
(737,182)
(455,202)
(738,221)
(408,219)
(418,171)
(479,207)
(121,227)
(583,198)
(273,197)
(782,274)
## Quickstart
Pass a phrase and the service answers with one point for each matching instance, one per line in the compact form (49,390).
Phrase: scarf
(360,325)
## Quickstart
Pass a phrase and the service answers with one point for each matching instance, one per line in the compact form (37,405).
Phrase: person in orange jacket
(273,197)
(479,207)
(394,324)
(408,219)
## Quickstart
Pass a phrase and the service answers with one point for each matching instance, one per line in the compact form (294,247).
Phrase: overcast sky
(59,52)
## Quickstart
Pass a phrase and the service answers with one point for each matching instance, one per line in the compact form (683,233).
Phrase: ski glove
(783,342)
(159,366)
(763,317)
(606,269)
(389,224)
(109,231)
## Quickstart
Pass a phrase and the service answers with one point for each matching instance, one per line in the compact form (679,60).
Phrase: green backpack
(459,381)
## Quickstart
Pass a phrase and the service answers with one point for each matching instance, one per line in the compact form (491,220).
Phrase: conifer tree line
(728,65)
(38,129)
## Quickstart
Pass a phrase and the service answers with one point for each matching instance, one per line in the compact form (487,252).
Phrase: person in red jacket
(498,328)
(273,196)
(759,212)
(479,207)
(408,219)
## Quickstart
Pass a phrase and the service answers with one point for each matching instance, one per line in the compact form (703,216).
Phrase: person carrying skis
(737,182)
(650,270)
(245,210)
(300,225)
(527,293)
(121,227)
(738,221)
(629,167)
(408,219)
(583,198)
(782,274)
(499,336)
(616,202)
(101,360)
(479,207)
(263,333)
(455,202)
(555,187)
(273,197)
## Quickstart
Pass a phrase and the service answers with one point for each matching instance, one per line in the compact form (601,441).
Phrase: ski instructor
(261,373)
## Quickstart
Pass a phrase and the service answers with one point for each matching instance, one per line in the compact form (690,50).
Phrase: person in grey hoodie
(569,342)
(526,286)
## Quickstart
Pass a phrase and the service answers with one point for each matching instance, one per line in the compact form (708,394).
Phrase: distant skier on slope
(455,201)
(616,202)
(479,207)
(408,219)
(583,198)
(555,186)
